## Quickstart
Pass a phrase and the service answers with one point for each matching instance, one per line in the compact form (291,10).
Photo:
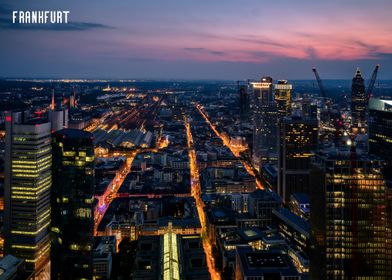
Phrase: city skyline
(218,40)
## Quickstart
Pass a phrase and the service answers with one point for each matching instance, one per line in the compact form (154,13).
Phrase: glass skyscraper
(348,217)
(72,205)
(265,122)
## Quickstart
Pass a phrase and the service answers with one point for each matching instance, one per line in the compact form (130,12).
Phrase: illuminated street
(226,142)
(196,192)
(111,192)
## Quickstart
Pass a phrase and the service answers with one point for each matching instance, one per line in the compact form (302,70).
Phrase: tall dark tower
(358,103)
(72,205)
(244,101)
(298,139)
(348,217)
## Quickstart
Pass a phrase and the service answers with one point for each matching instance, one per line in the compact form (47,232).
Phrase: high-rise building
(72,205)
(298,139)
(28,180)
(348,220)
(244,101)
(265,122)
(359,103)
(380,133)
(58,118)
(380,144)
(283,98)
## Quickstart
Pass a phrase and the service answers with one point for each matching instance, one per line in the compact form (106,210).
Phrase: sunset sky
(199,39)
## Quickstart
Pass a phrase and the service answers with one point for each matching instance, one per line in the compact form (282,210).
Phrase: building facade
(72,205)
(28,180)
(359,103)
(283,98)
(348,219)
(264,121)
(298,138)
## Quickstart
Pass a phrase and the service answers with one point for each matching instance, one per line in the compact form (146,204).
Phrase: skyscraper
(244,101)
(27,189)
(348,217)
(265,122)
(380,133)
(380,144)
(359,103)
(298,138)
(283,98)
(72,205)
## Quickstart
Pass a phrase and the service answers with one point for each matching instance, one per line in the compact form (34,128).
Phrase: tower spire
(52,104)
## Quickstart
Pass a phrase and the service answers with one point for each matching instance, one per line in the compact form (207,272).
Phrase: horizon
(220,40)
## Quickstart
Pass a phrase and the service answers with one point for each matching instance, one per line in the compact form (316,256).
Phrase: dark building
(265,122)
(298,138)
(309,110)
(380,144)
(170,256)
(244,101)
(253,264)
(348,217)
(380,133)
(293,228)
(359,103)
(260,205)
(72,205)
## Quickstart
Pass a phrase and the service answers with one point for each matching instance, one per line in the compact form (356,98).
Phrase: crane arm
(320,83)
(372,81)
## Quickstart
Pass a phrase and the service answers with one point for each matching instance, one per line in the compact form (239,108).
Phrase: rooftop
(74,133)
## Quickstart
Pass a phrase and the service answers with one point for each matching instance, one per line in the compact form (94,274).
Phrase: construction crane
(372,81)
(320,84)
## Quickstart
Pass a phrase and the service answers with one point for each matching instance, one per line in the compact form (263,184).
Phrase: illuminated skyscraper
(27,190)
(380,132)
(265,122)
(380,144)
(283,98)
(72,205)
(359,103)
(298,139)
(348,217)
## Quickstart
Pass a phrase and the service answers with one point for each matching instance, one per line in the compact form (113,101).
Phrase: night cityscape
(194,141)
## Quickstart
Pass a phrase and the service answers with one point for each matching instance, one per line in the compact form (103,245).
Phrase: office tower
(359,103)
(265,122)
(283,98)
(348,217)
(28,180)
(72,100)
(298,138)
(58,118)
(380,133)
(380,144)
(244,101)
(309,110)
(72,205)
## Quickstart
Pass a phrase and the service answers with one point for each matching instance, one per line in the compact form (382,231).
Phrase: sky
(199,39)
